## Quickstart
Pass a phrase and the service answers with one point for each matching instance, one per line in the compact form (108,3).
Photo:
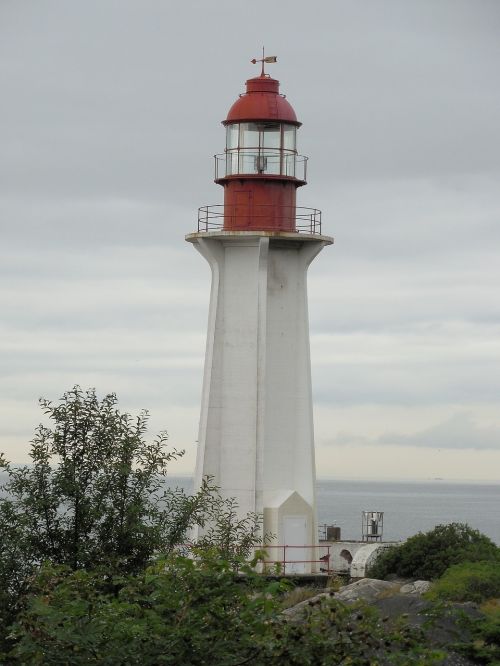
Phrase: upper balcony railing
(264,161)
(298,219)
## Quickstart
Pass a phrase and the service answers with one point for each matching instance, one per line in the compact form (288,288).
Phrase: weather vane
(263,60)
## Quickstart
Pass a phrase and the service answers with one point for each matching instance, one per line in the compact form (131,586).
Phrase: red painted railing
(285,558)
(288,557)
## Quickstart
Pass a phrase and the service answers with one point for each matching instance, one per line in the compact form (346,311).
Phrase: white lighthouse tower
(256,434)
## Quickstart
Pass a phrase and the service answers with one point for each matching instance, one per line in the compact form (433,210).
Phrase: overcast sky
(110,114)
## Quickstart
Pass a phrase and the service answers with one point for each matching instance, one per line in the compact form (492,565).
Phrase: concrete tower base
(256,426)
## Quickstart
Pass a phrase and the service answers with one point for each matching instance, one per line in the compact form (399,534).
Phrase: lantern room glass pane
(289,137)
(289,164)
(271,135)
(248,162)
(249,135)
(232,132)
(231,162)
(272,161)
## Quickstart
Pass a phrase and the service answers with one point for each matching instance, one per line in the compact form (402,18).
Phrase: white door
(295,534)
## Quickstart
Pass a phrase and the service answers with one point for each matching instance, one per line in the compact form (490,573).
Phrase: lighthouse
(256,435)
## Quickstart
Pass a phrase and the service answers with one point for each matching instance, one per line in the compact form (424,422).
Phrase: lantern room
(265,147)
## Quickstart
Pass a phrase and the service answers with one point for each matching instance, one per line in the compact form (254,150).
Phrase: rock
(410,606)
(445,629)
(416,587)
(367,589)
(393,604)
(295,612)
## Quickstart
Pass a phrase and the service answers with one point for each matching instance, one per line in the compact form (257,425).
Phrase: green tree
(428,555)
(93,494)
(15,567)
(231,535)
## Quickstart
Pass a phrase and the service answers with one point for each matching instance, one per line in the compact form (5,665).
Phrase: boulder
(295,612)
(367,589)
(416,587)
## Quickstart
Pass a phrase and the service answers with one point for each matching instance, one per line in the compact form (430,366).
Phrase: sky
(109,119)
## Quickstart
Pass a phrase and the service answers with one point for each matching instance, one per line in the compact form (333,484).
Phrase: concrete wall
(354,557)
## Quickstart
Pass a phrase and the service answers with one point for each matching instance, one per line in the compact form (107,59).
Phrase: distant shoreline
(412,480)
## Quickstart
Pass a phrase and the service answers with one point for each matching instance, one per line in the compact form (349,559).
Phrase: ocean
(409,507)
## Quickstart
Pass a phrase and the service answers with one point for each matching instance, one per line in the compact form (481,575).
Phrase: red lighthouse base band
(259,204)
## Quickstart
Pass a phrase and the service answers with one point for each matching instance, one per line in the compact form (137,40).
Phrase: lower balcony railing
(261,217)
(282,559)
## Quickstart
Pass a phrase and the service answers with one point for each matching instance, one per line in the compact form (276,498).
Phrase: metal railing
(294,559)
(251,161)
(299,219)
(282,559)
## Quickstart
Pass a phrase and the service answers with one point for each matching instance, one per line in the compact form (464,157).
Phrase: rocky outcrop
(402,600)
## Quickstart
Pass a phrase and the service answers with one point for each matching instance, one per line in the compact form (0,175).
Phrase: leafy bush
(428,555)
(197,613)
(470,581)
(179,611)
(484,647)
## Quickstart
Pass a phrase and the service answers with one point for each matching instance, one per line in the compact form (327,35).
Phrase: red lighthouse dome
(262,100)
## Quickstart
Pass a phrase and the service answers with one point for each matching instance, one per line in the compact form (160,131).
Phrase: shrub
(428,555)
(197,612)
(469,581)
(484,648)
(179,611)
